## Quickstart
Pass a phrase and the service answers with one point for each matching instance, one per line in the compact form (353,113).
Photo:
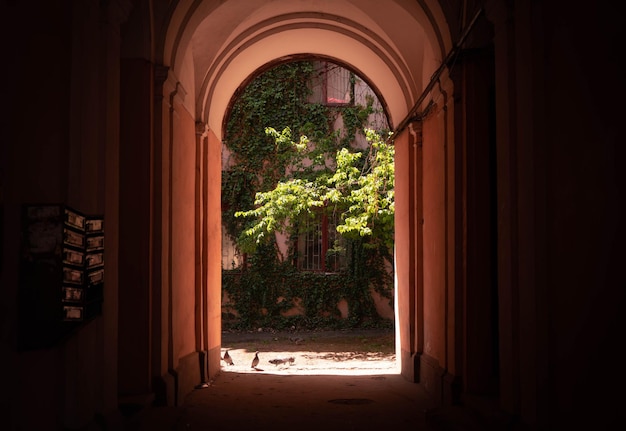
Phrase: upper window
(332,85)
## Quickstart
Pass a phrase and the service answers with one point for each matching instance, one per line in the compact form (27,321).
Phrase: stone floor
(261,400)
(325,388)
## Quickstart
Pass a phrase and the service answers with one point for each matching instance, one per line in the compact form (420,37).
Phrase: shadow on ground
(336,382)
(236,401)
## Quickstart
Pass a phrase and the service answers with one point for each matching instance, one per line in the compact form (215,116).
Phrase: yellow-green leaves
(361,192)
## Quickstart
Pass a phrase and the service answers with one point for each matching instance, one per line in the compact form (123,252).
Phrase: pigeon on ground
(255,361)
(228,359)
(279,361)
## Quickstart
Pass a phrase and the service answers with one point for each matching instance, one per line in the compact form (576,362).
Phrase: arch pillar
(508,270)
(201,255)
(426,247)
(207,246)
(408,249)
(476,334)
(176,358)
(135,372)
(212,237)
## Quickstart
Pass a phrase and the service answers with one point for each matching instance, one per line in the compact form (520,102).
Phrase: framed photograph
(72,313)
(73,238)
(95,243)
(73,257)
(74,219)
(95,259)
(95,277)
(72,276)
(72,294)
(94,225)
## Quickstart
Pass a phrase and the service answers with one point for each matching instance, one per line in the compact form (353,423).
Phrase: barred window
(319,246)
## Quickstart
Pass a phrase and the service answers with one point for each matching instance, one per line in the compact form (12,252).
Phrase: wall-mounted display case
(61,274)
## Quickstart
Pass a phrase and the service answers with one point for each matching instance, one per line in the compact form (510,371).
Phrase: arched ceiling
(213,46)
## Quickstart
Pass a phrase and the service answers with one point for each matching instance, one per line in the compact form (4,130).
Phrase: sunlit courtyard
(364,352)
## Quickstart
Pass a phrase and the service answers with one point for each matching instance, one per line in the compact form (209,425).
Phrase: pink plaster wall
(403,263)
(383,306)
(214,251)
(183,227)
(434,235)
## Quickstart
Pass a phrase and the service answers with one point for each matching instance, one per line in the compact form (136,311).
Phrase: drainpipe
(413,114)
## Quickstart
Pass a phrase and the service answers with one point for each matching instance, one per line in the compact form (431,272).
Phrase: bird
(279,361)
(255,361)
(228,359)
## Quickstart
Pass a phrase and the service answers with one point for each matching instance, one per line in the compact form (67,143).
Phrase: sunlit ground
(311,363)
(313,355)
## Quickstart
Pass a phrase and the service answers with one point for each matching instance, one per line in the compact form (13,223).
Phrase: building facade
(509,194)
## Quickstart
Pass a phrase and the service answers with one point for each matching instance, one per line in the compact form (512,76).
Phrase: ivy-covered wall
(268,290)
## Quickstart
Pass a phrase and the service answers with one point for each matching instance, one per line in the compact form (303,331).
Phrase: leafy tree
(289,163)
(357,185)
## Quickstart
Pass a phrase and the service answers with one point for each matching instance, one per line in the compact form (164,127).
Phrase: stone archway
(121,131)
(208,51)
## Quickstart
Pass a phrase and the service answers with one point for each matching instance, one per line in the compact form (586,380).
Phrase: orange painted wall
(183,227)
(214,251)
(403,263)
(434,234)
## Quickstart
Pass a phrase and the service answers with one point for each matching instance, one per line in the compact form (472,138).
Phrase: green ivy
(266,117)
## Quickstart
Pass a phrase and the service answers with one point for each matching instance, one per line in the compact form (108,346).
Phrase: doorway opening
(305,158)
